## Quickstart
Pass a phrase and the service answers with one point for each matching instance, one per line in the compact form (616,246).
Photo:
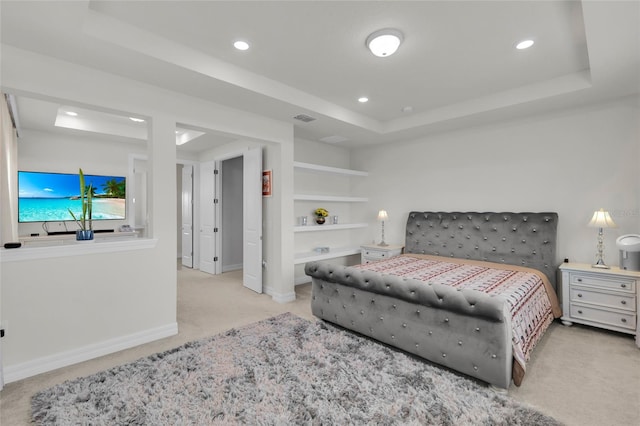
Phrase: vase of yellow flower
(321,215)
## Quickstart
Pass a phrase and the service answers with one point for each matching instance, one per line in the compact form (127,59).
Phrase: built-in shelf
(310,256)
(301,257)
(317,228)
(330,198)
(327,169)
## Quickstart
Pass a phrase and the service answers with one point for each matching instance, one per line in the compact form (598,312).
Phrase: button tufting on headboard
(527,239)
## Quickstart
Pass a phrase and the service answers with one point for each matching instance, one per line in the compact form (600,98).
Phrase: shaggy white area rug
(283,370)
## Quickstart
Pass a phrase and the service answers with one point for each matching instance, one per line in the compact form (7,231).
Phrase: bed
(416,302)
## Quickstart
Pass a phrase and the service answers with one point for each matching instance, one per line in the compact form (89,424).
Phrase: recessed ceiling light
(137,120)
(241,45)
(384,42)
(72,113)
(524,44)
(407,109)
(363,99)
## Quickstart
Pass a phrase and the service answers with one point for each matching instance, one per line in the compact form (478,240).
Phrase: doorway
(231,206)
(240,243)
(186,188)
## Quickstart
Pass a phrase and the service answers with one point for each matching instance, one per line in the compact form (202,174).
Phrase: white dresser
(371,253)
(606,298)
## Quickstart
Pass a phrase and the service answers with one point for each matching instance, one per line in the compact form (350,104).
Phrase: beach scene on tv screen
(46,197)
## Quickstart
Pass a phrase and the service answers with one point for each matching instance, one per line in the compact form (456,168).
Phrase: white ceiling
(456,67)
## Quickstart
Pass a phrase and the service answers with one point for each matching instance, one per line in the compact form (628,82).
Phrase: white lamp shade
(602,219)
(385,42)
(382,215)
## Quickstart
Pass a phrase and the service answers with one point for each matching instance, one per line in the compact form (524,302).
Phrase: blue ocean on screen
(57,209)
(47,197)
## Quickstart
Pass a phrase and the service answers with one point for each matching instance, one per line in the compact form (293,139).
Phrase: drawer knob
(623,319)
(579,294)
(579,280)
(623,285)
(580,312)
(624,302)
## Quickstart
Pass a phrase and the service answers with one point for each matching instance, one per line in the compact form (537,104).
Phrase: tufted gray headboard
(522,239)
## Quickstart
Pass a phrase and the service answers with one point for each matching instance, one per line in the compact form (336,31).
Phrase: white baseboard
(228,268)
(304,279)
(13,373)
(281,297)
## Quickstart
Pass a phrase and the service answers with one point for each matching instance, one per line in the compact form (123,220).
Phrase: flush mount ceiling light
(363,99)
(72,113)
(524,44)
(137,120)
(384,42)
(241,45)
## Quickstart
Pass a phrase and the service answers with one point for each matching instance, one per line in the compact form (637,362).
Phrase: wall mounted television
(47,197)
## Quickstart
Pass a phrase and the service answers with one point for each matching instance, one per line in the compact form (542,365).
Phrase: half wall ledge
(96,247)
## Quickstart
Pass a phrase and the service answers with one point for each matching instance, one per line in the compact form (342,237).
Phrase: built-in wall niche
(332,240)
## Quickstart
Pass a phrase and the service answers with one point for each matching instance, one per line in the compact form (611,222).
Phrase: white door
(207,218)
(252,220)
(187,216)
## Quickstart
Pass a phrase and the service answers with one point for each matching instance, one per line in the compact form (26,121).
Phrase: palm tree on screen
(114,188)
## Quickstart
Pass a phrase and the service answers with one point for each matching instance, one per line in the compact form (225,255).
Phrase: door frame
(218,207)
(196,199)
(194,210)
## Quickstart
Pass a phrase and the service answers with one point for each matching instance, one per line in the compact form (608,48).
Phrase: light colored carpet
(284,370)
(578,375)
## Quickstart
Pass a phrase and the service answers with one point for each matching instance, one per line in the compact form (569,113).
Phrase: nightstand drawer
(617,300)
(375,254)
(613,283)
(617,319)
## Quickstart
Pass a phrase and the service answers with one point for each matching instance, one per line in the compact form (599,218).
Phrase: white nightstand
(606,298)
(371,253)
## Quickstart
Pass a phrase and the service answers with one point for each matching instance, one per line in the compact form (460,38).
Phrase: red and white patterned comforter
(532,306)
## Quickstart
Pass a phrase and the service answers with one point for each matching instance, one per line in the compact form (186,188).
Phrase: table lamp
(601,219)
(382,216)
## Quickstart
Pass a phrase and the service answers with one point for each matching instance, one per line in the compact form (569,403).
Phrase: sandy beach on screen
(109,207)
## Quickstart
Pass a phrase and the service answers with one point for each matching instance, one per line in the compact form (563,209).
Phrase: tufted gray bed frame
(465,330)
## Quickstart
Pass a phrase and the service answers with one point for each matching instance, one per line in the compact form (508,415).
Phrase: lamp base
(601,266)
(382,244)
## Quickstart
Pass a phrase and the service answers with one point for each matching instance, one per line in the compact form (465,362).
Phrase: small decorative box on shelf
(371,253)
(605,298)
